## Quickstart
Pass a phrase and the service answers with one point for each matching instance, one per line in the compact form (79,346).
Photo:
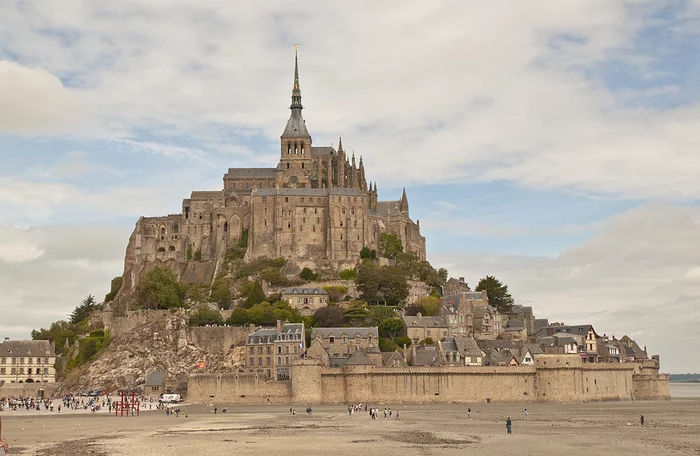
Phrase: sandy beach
(671,428)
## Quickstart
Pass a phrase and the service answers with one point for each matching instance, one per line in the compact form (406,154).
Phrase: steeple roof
(403,205)
(296,126)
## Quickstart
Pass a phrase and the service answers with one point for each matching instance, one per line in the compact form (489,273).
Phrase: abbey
(315,208)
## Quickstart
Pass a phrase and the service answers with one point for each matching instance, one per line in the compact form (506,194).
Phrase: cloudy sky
(551,143)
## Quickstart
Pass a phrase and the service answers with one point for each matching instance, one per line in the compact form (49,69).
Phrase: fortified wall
(554,378)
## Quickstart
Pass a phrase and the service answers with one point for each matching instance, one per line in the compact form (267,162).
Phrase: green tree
(262,314)
(427,341)
(356,313)
(308,275)
(160,289)
(429,304)
(239,317)
(391,328)
(497,292)
(114,288)
(329,317)
(368,254)
(205,316)
(82,312)
(377,314)
(198,255)
(189,253)
(254,294)
(387,345)
(403,340)
(389,245)
(221,292)
(348,274)
(382,284)
(243,240)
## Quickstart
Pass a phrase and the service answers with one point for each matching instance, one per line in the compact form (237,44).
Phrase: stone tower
(107,315)
(295,140)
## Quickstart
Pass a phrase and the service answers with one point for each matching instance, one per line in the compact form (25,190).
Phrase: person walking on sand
(469,412)
(641,420)
(526,414)
(509,426)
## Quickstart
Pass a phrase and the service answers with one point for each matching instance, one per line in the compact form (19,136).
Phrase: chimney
(251,328)
(280,323)
(6,339)
(645,349)
(418,314)
(461,280)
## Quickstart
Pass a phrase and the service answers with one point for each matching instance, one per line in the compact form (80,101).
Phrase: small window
(331,339)
(286,199)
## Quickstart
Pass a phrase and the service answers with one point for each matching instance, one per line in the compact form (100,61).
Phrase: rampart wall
(217,339)
(29,389)
(554,378)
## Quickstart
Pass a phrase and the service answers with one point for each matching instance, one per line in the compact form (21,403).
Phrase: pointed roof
(296,126)
(359,359)
(403,205)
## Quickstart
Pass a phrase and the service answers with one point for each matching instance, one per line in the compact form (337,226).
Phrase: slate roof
(250,173)
(291,192)
(474,295)
(427,355)
(388,358)
(206,195)
(451,303)
(514,325)
(23,348)
(388,207)
(540,323)
(263,336)
(467,346)
(304,291)
(350,332)
(156,378)
(296,126)
(359,359)
(580,330)
(293,328)
(322,150)
(449,344)
(424,322)
(487,344)
(494,357)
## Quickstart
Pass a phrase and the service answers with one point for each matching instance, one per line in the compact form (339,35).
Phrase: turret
(341,164)
(362,181)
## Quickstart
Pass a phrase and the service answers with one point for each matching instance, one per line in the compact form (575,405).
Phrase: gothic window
(287,165)
(313,228)
(176,228)
(171,248)
(289,149)
(225,227)
(343,211)
(302,152)
(162,231)
(315,210)
(264,199)
(302,165)
(289,224)
(352,211)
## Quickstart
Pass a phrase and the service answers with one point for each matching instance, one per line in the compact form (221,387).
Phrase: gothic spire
(340,144)
(296,90)
(403,205)
(296,127)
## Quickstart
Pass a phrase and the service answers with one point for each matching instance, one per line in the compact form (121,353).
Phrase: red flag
(201,365)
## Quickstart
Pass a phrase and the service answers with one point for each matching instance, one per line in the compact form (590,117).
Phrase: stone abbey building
(316,208)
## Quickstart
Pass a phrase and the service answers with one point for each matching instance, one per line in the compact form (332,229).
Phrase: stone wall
(236,389)
(554,378)
(29,389)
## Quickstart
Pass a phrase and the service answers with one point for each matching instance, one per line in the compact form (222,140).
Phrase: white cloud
(34,101)
(458,91)
(638,275)
(57,268)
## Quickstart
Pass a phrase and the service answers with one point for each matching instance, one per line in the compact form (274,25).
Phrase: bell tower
(295,139)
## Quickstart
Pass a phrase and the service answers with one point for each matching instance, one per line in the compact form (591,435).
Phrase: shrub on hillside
(205,316)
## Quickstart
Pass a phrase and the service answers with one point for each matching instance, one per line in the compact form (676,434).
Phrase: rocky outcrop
(156,340)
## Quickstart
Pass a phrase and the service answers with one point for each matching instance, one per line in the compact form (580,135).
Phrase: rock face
(147,341)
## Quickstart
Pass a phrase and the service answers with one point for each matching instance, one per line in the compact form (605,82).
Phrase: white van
(170,398)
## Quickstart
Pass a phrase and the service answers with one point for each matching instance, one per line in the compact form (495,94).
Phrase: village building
(426,355)
(559,344)
(487,322)
(393,359)
(499,358)
(455,286)
(306,300)
(516,330)
(461,351)
(343,342)
(458,315)
(270,351)
(416,289)
(421,327)
(27,361)
(523,314)
(630,351)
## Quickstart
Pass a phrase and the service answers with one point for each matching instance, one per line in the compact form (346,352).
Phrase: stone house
(416,289)
(393,359)
(419,328)
(629,350)
(584,334)
(343,342)
(516,329)
(563,344)
(458,315)
(487,322)
(455,287)
(426,355)
(270,351)
(499,358)
(27,361)
(461,351)
(306,300)
(525,315)
(155,384)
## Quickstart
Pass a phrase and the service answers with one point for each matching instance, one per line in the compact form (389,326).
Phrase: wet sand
(602,428)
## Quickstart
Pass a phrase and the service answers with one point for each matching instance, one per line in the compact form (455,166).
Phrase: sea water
(685,389)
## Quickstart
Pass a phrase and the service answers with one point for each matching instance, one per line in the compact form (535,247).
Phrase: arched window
(289,149)
(162,231)
(286,360)
(161,249)
(171,248)
(176,228)
(225,227)
(302,149)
